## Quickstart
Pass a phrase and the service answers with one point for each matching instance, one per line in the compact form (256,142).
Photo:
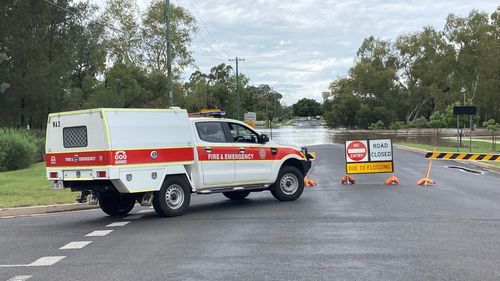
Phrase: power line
(214,55)
(206,29)
(55,5)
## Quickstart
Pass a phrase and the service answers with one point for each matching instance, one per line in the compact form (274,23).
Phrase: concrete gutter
(35,210)
(479,164)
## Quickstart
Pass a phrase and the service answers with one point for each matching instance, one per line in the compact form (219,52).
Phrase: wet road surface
(367,231)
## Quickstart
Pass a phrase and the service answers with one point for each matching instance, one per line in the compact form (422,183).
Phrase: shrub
(18,149)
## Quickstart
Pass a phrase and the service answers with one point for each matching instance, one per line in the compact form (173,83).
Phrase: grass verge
(29,187)
(477,147)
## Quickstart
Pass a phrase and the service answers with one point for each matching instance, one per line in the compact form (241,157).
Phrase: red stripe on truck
(248,153)
(119,157)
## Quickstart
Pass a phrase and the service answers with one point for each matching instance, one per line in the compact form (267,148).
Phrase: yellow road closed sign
(369,168)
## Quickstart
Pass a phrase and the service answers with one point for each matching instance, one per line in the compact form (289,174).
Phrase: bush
(19,149)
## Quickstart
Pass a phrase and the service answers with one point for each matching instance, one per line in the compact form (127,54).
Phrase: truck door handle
(242,149)
(208,149)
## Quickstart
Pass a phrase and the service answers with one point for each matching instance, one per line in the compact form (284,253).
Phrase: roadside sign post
(464,110)
(369,157)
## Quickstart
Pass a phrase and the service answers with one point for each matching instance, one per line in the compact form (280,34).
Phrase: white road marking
(118,223)
(20,278)
(133,217)
(99,233)
(75,245)
(43,261)
(46,261)
(144,211)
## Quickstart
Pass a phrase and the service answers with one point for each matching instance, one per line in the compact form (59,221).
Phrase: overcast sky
(299,46)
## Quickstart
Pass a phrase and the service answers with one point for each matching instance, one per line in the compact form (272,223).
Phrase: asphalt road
(367,231)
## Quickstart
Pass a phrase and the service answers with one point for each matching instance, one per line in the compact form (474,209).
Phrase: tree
(492,126)
(379,125)
(153,38)
(307,107)
(123,33)
(396,126)
(438,121)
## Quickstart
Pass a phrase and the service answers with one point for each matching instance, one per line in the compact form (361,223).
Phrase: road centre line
(20,278)
(43,261)
(99,233)
(118,223)
(46,261)
(133,217)
(75,245)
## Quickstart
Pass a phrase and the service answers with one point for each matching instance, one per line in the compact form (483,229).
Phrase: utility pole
(170,94)
(237,60)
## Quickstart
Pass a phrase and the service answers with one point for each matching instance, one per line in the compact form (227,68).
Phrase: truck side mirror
(264,138)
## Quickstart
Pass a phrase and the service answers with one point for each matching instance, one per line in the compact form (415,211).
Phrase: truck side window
(211,131)
(241,133)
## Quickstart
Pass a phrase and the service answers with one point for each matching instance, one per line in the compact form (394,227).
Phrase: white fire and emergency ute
(116,157)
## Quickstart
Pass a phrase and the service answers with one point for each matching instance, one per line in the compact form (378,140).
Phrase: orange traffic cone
(392,180)
(309,182)
(348,180)
(425,182)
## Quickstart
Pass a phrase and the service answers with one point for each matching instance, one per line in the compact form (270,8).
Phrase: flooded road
(314,135)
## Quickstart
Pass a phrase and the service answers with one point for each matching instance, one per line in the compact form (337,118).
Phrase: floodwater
(314,135)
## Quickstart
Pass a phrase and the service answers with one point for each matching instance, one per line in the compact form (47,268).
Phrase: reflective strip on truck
(120,157)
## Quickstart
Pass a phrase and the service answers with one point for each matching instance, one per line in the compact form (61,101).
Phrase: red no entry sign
(356,151)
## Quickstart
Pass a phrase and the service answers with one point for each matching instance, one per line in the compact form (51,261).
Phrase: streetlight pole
(170,94)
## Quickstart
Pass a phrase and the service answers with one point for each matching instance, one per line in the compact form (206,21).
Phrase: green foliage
(307,107)
(379,125)
(18,149)
(419,123)
(422,73)
(492,126)
(438,120)
(396,126)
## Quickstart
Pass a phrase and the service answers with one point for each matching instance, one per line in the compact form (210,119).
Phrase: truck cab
(119,156)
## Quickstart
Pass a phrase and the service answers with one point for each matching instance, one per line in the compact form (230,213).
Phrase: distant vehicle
(116,157)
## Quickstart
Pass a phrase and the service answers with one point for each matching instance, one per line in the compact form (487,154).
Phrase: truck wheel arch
(178,171)
(294,163)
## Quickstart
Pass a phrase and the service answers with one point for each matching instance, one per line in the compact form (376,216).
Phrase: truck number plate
(57,185)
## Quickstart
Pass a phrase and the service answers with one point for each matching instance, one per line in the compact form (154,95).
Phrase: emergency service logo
(76,158)
(262,154)
(53,160)
(154,154)
(120,157)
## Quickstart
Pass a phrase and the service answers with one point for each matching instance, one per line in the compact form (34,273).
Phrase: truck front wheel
(117,205)
(173,198)
(289,185)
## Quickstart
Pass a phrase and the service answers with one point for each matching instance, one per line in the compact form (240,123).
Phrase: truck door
(253,162)
(213,148)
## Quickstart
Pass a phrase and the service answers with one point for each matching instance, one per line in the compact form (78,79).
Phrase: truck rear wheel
(173,198)
(236,195)
(117,205)
(289,185)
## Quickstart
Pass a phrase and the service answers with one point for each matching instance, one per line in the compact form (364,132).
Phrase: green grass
(29,187)
(477,147)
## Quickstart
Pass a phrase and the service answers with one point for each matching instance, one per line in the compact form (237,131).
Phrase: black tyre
(117,205)
(173,198)
(289,185)
(236,195)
